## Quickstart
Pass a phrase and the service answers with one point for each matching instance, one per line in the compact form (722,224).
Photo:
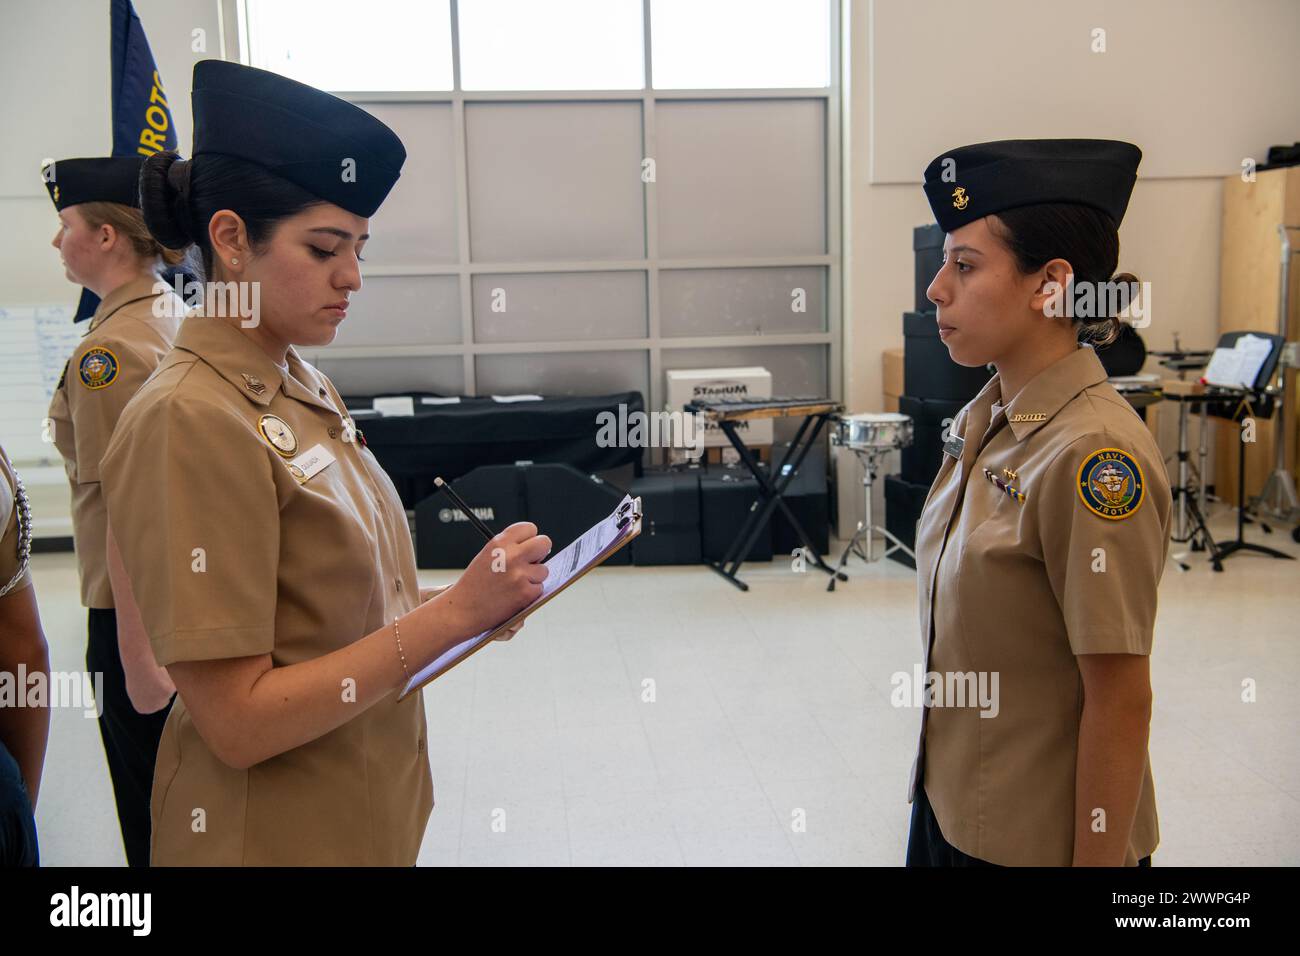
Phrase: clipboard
(566,566)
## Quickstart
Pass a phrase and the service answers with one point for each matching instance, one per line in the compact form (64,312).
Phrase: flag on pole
(142,118)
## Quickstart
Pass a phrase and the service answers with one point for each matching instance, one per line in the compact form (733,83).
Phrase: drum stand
(1189,525)
(867,528)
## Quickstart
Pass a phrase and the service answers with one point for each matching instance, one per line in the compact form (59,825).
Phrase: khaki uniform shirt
(1043,537)
(11,560)
(124,344)
(237,545)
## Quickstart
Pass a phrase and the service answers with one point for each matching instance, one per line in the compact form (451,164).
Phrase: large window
(346,45)
(597,191)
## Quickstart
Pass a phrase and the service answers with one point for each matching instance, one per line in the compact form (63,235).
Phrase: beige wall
(1197,84)
(55,104)
(54,88)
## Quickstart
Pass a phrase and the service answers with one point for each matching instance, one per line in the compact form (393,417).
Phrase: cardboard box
(729,455)
(687,385)
(891,361)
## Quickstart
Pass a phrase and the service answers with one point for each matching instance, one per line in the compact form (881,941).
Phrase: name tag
(953,446)
(311,462)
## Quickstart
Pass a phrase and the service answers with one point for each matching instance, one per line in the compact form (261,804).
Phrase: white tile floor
(768,707)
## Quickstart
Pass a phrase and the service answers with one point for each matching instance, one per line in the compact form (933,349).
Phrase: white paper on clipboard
(587,551)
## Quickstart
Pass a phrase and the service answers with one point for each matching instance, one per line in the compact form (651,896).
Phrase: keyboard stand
(769,499)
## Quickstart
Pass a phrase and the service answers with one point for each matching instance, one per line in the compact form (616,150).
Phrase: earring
(234,262)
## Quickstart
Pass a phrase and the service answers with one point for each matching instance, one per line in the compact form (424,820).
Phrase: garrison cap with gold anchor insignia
(71,182)
(972,182)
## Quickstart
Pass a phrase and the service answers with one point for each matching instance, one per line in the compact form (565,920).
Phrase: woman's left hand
(509,632)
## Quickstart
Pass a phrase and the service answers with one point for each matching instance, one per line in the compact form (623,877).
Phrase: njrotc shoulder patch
(98,368)
(1111,483)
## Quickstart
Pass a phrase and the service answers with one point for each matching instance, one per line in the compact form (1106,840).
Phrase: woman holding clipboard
(275,576)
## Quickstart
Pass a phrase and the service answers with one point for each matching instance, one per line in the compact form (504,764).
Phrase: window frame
(653,344)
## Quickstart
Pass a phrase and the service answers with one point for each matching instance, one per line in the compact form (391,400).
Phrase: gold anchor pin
(959,198)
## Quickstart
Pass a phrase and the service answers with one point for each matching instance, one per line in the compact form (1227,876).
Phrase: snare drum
(873,430)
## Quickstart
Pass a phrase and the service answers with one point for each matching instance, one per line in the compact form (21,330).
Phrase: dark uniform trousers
(926,845)
(17,825)
(130,738)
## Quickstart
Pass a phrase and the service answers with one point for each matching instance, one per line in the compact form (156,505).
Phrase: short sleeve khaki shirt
(129,334)
(253,522)
(1044,537)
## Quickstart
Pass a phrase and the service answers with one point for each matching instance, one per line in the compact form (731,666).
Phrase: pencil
(460,503)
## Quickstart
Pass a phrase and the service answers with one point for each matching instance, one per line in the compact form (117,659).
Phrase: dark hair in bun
(1088,239)
(164,199)
(179,198)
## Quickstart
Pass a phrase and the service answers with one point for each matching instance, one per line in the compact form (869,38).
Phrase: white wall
(1197,84)
(54,103)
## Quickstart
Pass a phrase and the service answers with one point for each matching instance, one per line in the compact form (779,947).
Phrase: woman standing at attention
(1043,539)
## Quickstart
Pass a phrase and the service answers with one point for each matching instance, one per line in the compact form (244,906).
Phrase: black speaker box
(808,498)
(928,372)
(725,502)
(1126,355)
(670,522)
(445,538)
(922,458)
(904,501)
(559,499)
(563,503)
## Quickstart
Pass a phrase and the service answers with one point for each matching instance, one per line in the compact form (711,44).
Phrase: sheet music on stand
(1239,366)
(35,343)
(588,551)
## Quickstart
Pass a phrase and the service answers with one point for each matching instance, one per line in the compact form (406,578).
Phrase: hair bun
(1125,289)
(165,199)
(1110,301)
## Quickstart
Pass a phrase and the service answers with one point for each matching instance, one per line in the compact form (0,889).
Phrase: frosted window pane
(740,44)
(552,45)
(343,45)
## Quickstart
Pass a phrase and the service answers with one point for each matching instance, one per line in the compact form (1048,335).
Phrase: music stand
(1238,401)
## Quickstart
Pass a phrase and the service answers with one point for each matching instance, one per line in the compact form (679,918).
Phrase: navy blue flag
(142,118)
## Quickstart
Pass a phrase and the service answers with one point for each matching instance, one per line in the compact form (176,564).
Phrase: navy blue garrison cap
(336,151)
(95,179)
(972,182)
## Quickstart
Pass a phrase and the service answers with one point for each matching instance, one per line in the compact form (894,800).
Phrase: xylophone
(740,409)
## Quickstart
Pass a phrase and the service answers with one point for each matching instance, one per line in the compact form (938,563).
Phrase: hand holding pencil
(504,577)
